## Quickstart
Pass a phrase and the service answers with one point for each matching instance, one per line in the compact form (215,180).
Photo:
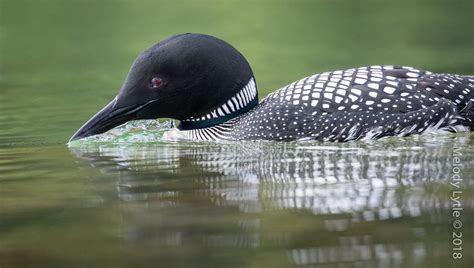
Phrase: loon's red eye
(156,82)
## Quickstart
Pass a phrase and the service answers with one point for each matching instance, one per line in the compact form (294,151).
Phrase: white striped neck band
(240,103)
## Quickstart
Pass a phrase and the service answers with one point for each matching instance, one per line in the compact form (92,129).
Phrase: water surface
(138,201)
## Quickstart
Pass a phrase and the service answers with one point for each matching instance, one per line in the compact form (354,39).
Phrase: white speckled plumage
(361,103)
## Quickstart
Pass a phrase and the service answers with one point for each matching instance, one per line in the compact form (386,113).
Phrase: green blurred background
(123,206)
(62,60)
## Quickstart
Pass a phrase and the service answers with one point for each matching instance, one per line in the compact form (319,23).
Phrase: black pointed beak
(109,117)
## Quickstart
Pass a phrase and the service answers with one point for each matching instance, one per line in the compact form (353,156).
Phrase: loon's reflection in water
(370,204)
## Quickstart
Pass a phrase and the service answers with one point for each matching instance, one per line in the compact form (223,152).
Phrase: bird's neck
(239,104)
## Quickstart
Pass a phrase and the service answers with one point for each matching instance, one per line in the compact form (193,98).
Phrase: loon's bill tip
(107,118)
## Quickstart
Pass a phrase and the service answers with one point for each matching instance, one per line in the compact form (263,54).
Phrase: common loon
(208,86)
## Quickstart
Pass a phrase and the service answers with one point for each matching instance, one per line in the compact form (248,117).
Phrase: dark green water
(162,204)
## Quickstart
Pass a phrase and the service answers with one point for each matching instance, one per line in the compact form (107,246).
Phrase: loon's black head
(187,77)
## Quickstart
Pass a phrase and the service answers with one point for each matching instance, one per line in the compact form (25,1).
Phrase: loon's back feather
(362,103)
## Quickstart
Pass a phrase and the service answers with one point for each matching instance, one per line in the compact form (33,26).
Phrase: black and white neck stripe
(239,101)
(217,124)
(214,133)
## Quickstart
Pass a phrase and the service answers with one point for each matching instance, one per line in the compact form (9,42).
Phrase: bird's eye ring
(156,82)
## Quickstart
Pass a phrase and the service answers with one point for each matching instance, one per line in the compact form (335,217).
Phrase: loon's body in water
(209,87)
